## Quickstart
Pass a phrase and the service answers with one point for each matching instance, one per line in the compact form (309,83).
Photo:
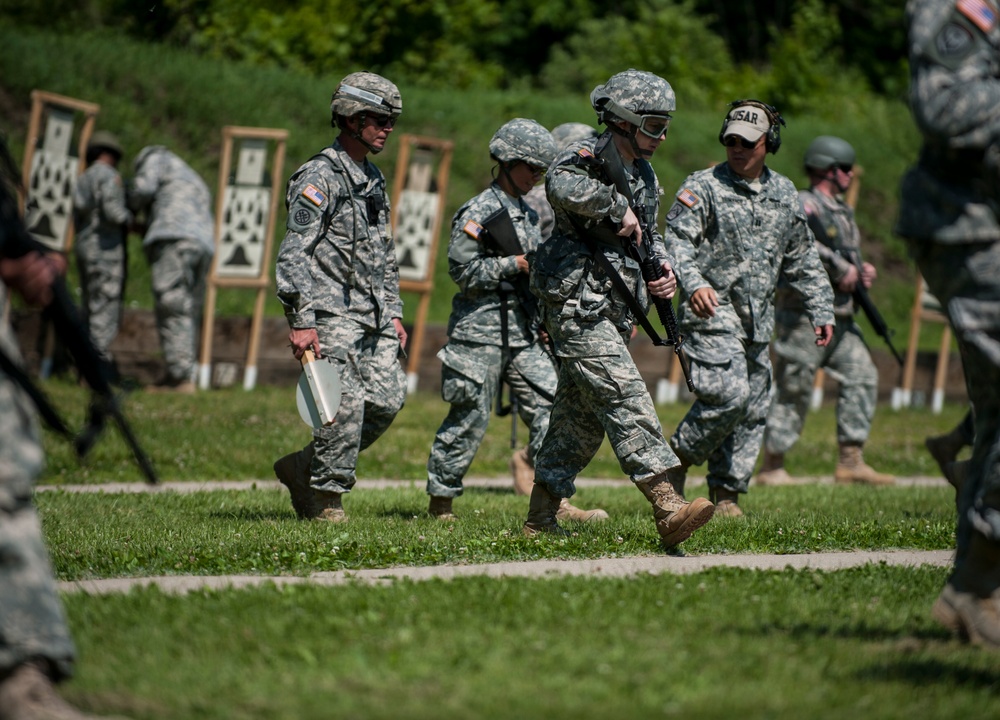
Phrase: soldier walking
(338,281)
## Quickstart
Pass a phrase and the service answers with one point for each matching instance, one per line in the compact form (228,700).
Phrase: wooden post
(242,244)
(49,173)
(419,193)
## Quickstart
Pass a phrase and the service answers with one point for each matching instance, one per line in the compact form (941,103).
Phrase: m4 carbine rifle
(863,301)
(614,170)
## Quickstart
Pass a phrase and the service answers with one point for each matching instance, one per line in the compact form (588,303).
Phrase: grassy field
(717,644)
(777,644)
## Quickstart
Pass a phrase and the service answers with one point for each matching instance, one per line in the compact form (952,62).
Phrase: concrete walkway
(606,567)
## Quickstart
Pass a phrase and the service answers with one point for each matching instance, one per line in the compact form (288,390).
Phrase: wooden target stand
(419,188)
(246,207)
(49,173)
(925,308)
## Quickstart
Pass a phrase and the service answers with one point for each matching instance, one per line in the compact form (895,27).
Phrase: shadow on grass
(252,515)
(936,672)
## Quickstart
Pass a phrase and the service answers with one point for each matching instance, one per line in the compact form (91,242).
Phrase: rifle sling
(622,287)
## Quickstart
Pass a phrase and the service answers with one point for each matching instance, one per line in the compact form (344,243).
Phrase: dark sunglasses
(733,140)
(845,168)
(383,121)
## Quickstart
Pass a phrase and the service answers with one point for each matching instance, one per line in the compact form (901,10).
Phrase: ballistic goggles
(654,126)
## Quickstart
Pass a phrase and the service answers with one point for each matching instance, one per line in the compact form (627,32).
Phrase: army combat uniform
(336,271)
(101,219)
(474,361)
(847,357)
(600,390)
(179,246)
(950,217)
(32,622)
(737,237)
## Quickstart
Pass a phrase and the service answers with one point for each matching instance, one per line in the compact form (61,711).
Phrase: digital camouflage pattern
(176,200)
(473,360)
(631,94)
(847,357)
(338,255)
(600,390)
(563,135)
(373,389)
(738,238)
(336,271)
(523,140)
(475,308)
(470,380)
(32,623)
(177,272)
(179,247)
(101,218)
(950,205)
(366,92)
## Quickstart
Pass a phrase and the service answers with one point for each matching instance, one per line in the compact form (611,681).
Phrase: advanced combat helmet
(525,141)
(103,140)
(571,132)
(635,96)
(365,92)
(827,151)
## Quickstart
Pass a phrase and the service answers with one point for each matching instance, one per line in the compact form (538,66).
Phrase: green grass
(232,434)
(255,532)
(719,644)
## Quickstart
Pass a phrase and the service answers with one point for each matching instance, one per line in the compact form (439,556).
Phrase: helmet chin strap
(356,134)
(514,189)
(631,136)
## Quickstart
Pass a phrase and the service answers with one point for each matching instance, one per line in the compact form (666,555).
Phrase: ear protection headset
(772,138)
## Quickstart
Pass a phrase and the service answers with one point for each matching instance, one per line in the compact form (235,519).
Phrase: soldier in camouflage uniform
(493,332)
(179,246)
(950,218)
(101,220)
(339,284)
(829,163)
(564,135)
(600,390)
(734,230)
(36,649)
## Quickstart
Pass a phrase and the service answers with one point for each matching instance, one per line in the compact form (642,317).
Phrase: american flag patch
(313,195)
(982,13)
(473,229)
(584,152)
(687,197)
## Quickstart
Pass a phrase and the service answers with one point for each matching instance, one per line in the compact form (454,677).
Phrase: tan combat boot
(726,502)
(29,694)
(523,472)
(331,506)
(944,449)
(676,520)
(567,511)
(851,468)
(969,605)
(293,472)
(772,471)
(542,509)
(440,508)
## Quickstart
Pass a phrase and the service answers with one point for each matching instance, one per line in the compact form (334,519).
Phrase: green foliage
(667,38)
(807,65)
